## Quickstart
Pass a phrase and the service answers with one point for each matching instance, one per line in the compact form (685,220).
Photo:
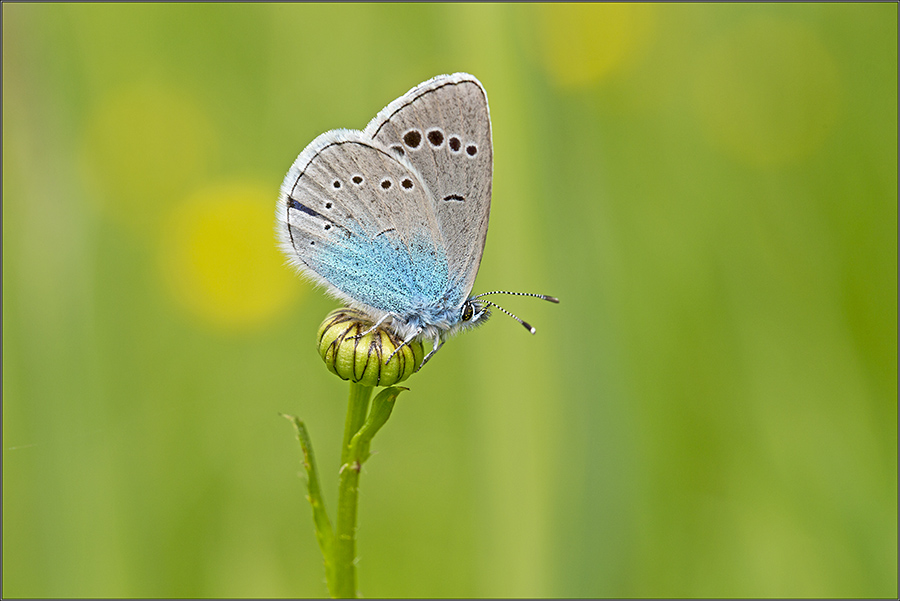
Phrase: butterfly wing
(359,219)
(442,127)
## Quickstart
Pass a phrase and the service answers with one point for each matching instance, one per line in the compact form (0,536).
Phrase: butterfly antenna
(552,299)
(524,323)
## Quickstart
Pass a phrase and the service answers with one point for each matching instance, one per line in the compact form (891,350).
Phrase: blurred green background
(711,410)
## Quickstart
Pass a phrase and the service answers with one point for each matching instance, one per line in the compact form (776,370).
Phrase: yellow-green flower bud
(362,358)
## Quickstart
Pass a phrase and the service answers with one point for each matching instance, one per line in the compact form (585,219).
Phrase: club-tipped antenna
(527,325)
(552,299)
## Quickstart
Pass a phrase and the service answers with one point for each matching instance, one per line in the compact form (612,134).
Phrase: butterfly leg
(375,327)
(409,339)
(436,344)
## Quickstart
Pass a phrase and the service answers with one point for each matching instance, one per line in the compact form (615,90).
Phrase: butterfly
(393,219)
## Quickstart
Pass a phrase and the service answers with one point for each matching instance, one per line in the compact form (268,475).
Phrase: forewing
(443,128)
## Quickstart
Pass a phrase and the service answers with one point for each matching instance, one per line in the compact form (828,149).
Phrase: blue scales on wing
(359,219)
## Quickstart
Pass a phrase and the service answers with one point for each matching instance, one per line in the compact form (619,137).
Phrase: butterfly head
(473,313)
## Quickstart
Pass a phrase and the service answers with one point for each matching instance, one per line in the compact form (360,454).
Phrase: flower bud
(362,358)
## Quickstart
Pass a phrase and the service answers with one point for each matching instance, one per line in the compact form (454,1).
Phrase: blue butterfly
(393,219)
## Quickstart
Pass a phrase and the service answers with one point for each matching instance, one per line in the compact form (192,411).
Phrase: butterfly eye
(467,312)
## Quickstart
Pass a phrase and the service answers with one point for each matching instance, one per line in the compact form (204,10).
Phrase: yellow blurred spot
(145,148)
(220,261)
(767,93)
(583,43)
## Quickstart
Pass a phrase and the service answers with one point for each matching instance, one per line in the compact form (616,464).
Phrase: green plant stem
(344,550)
(338,546)
(357,408)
